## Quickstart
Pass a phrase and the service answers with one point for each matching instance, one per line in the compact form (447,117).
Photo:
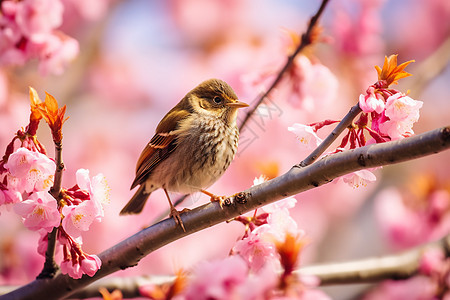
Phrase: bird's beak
(237,104)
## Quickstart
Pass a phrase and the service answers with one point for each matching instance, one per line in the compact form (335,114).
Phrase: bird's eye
(217,100)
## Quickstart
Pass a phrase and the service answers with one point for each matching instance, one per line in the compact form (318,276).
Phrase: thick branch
(130,251)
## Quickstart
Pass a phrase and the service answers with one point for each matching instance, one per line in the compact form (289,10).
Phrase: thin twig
(345,123)
(305,41)
(50,266)
(129,252)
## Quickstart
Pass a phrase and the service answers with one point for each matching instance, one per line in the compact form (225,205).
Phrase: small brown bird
(192,147)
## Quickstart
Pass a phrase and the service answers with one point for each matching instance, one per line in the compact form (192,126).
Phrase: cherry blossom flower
(359,178)
(402,112)
(40,211)
(432,261)
(371,102)
(33,170)
(43,242)
(38,18)
(72,269)
(29,30)
(97,187)
(78,218)
(90,265)
(281,223)
(256,249)
(418,287)
(306,135)
(56,53)
(75,261)
(217,279)
(259,285)
(8,196)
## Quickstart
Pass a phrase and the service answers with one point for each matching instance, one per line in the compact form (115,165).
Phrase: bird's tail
(137,202)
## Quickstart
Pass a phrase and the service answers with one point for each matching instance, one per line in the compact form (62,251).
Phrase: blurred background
(138,58)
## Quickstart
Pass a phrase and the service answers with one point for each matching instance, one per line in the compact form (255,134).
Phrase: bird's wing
(160,146)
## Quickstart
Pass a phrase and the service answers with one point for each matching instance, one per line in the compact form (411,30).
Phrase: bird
(193,145)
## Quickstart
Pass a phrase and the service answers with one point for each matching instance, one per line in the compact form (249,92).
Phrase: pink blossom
(43,242)
(10,33)
(359,178)
(286,203)
(311,84)
(9,196)
(28,29)
(402,112)
(256,249)
(97,187)
(92,10)
(400,107)
(34,171)
(39,211)
(78,218)
(371,102)
(90,264)
(402,226)
(56,52)
(281,223)
(72,269)
(217,279)
(306,135)
(418,287)
(432,262)
(38,18)
(259,285)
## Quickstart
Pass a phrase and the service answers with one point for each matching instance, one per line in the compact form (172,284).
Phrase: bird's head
(215,97)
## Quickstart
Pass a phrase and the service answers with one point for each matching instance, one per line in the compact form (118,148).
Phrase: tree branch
(50,266)
(130,251)
(398,266)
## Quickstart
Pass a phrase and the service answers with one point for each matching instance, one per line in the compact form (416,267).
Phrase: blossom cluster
(27,178)
(261,264)
(29,30)
(387,115)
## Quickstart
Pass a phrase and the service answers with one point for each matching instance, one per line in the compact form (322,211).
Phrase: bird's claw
(175,214)
(220,199)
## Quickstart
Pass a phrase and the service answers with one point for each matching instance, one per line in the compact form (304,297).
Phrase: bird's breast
(202,155)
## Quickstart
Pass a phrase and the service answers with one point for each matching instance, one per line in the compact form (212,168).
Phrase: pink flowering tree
(318,141)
